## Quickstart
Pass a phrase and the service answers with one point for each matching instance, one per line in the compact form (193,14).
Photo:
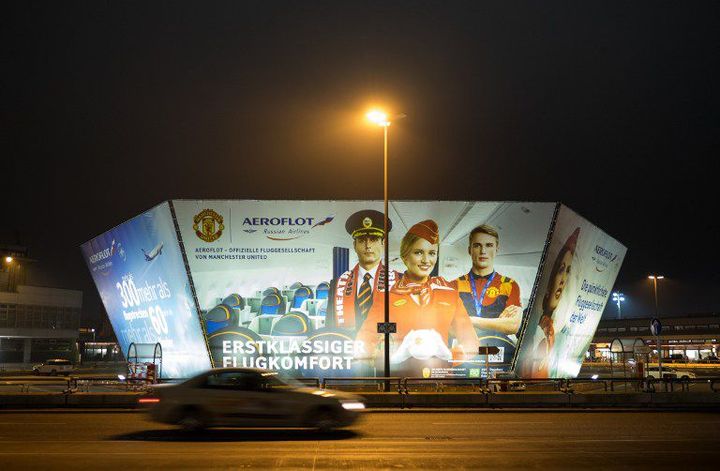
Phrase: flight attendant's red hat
(427,230)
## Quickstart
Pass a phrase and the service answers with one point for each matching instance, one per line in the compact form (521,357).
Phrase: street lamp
(8,259)
(617,299)
(381,119)
(655,279)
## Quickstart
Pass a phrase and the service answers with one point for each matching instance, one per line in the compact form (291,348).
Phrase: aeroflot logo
(100,256)
(103,254)
(284,228)
(603,252)
(299,221)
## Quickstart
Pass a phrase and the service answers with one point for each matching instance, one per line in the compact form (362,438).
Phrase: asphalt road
(383,440)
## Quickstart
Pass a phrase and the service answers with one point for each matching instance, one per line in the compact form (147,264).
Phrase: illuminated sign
(145,290)
(299,285)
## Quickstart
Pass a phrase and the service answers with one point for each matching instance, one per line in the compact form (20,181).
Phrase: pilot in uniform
(356,291)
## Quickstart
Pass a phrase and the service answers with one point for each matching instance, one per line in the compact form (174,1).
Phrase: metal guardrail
(655,385)
(475,383)
(376,380)
(403,384)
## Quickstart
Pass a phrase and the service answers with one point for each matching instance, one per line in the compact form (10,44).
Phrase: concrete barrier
(32,400)
(528,399)
(76,400)
(394,400)
(619,399)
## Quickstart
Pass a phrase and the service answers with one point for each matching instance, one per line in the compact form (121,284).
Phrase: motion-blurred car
(652,373)
(247,397)
(54,367)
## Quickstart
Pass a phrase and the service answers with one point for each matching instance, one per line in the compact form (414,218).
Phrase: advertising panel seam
(536,283)
(191,284)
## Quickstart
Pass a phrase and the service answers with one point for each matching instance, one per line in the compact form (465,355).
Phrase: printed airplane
(153,253)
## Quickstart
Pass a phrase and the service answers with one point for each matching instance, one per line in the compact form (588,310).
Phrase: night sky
(110,107)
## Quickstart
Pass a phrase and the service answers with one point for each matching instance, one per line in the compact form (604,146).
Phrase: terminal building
(692,338)
(36,323)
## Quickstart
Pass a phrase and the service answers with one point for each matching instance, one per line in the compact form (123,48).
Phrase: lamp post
(11,268)
(381,119)
(655,279)
(617,299)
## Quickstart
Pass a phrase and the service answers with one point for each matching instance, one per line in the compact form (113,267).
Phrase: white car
(54,367)
(248,397)
(652,373)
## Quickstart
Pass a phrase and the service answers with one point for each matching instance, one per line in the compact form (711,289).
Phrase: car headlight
(353,405)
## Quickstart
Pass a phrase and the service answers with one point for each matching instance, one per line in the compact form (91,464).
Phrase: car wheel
(193,420)
(684,377)
(325,421)
(36,372)
(53,373)
(651,377)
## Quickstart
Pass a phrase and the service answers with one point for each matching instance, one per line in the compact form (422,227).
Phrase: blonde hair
(406,244)
(484,229)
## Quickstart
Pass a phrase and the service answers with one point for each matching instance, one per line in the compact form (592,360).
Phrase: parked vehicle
(54,367)
(652,373)
(248,397)
(676,358)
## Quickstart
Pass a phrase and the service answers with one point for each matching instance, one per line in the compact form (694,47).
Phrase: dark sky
(610,107)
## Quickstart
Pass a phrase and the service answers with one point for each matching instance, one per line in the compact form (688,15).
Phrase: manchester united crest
(208,225)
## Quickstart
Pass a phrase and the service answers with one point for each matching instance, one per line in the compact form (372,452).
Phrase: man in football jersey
(491,299)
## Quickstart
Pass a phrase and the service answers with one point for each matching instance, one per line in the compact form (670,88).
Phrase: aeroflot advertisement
(139,272)
(299,285)
(578,275)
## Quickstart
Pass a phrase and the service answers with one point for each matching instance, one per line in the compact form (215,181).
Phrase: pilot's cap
(367,222)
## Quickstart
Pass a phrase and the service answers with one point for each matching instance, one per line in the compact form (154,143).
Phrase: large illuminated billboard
(281,283)
(139,272)
(299,285)
(580,268)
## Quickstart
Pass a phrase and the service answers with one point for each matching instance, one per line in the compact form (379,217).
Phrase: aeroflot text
(278,221)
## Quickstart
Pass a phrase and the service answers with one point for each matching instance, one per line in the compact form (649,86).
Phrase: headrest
(292,323)
(234,300)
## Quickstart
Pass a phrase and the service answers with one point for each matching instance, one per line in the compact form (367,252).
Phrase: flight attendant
(427,310)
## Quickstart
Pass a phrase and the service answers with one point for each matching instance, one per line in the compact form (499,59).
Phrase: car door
(241,398)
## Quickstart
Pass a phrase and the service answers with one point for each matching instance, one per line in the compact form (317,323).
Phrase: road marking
(490,423)
(33,423)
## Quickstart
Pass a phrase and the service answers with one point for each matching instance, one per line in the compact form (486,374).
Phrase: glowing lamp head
(8,259)
(378,117)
